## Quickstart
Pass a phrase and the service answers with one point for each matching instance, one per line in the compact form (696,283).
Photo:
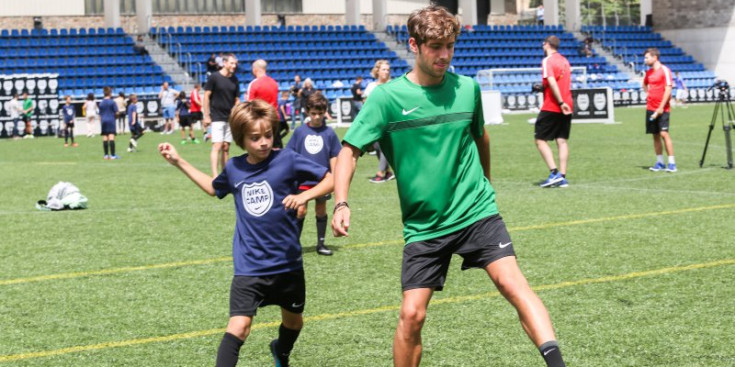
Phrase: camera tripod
(722,106)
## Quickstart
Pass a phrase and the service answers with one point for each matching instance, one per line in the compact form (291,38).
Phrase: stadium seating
(630,42)
(482,47)
(86,60)
(332,56)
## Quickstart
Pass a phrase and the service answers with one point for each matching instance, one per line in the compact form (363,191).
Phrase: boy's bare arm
(200,178)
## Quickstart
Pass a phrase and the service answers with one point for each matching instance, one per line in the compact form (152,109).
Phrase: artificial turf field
(635,267)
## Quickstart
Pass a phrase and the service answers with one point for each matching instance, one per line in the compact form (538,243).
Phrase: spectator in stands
(585,50)
(681,90)
(318,143)
(168,96)
(91,111)
(212,64)
(357,94)
(221,94)
(540,14)
(120,101)
(108,112)
(15,109)
(184,116)
(657,83)
(381,74)
(554,122)
(139,48)
(27,115)
(136,128)
(195,102)
(296,107)
(265,88)
(68,115)
(304,94)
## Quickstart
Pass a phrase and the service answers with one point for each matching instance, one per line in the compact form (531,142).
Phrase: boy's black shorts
(659,124)
(196,116)
(425,263)
(552,126)
(248,293)
(185,121)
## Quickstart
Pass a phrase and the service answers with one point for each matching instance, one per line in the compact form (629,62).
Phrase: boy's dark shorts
(69,123)
(659,124)
(425,263)
(185,121)
(248,293)
(196,116)
(552,125)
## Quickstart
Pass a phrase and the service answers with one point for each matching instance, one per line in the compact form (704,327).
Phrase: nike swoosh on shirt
(504,245)
(404,112)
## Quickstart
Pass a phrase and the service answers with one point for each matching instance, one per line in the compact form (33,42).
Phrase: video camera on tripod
(722,106)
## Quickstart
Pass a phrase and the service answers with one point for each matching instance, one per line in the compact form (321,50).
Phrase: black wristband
(340,205)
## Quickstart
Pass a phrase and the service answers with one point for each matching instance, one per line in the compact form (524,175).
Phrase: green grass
(616,218)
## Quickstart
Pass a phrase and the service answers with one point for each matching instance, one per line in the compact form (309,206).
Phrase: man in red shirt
(265,88)
(195,101)
(555,120)
(658,83)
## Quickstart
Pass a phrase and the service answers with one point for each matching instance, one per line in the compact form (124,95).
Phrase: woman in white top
(381,74)
(91,110)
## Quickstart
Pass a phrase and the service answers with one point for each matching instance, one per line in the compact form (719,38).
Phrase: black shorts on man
(248,293)
(659,124)
(425,263)
(552,126)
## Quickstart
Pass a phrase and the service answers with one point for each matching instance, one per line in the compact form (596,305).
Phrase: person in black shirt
(221,93)
(357,94)
(296,108)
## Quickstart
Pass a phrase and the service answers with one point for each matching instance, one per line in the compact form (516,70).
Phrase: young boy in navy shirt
(320,144)
(136,130)
(266,249)
(69,114)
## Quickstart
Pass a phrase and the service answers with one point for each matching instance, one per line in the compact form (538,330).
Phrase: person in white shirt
(168,105)
(15,108)
(91,110)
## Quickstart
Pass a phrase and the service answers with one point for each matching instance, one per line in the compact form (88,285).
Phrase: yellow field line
(347,314)
(353,246)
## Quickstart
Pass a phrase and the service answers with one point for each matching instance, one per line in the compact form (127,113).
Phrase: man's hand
(341,222)
(566,109)
(206,121)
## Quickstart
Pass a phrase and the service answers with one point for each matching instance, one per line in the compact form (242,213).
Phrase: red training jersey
(195,101)
(264,88)
(657,80)
(557,67)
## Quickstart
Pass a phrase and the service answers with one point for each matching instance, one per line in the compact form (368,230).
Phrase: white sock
(660,158)
(671,160)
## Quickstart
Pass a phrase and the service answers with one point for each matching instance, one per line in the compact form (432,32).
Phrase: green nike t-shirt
(28,103)
(428,136)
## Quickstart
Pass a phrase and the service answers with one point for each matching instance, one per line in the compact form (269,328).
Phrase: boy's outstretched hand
(169,153)
(293,201)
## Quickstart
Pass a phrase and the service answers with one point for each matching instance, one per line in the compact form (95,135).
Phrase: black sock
(71,135)
(321,229)
(106,146)
(564,175)
(300,222)
(552,354)
(66,136)
(555,171)
(112,147)
(286,339)
(229,350)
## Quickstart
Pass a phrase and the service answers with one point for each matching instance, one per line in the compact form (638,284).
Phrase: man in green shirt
(431,128)
(27,114)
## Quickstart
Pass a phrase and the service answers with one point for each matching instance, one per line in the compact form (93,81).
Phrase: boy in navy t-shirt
(136,130)
(266,249)
(108,116)
(69,114)
(320,144)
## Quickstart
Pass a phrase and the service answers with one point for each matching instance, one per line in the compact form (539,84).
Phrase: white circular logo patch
(42,84)
(152,106)
(53,83)
(313,144)
(583,102)
(600,100)
(257,198)
(8,85)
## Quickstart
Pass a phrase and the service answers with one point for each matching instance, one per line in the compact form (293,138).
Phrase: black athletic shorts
(321,199)
(287,290)
(425,263)
(69,123)
(659,124)
(185,121)
(552,125)
(196,116)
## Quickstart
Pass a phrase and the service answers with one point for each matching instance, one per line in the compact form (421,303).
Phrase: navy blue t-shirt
(318,144)
(133,114)
(108,109)
(68,112)
(182,107)
(266,239)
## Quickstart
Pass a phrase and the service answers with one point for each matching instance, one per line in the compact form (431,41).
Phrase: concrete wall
(704,29)
(12,8)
